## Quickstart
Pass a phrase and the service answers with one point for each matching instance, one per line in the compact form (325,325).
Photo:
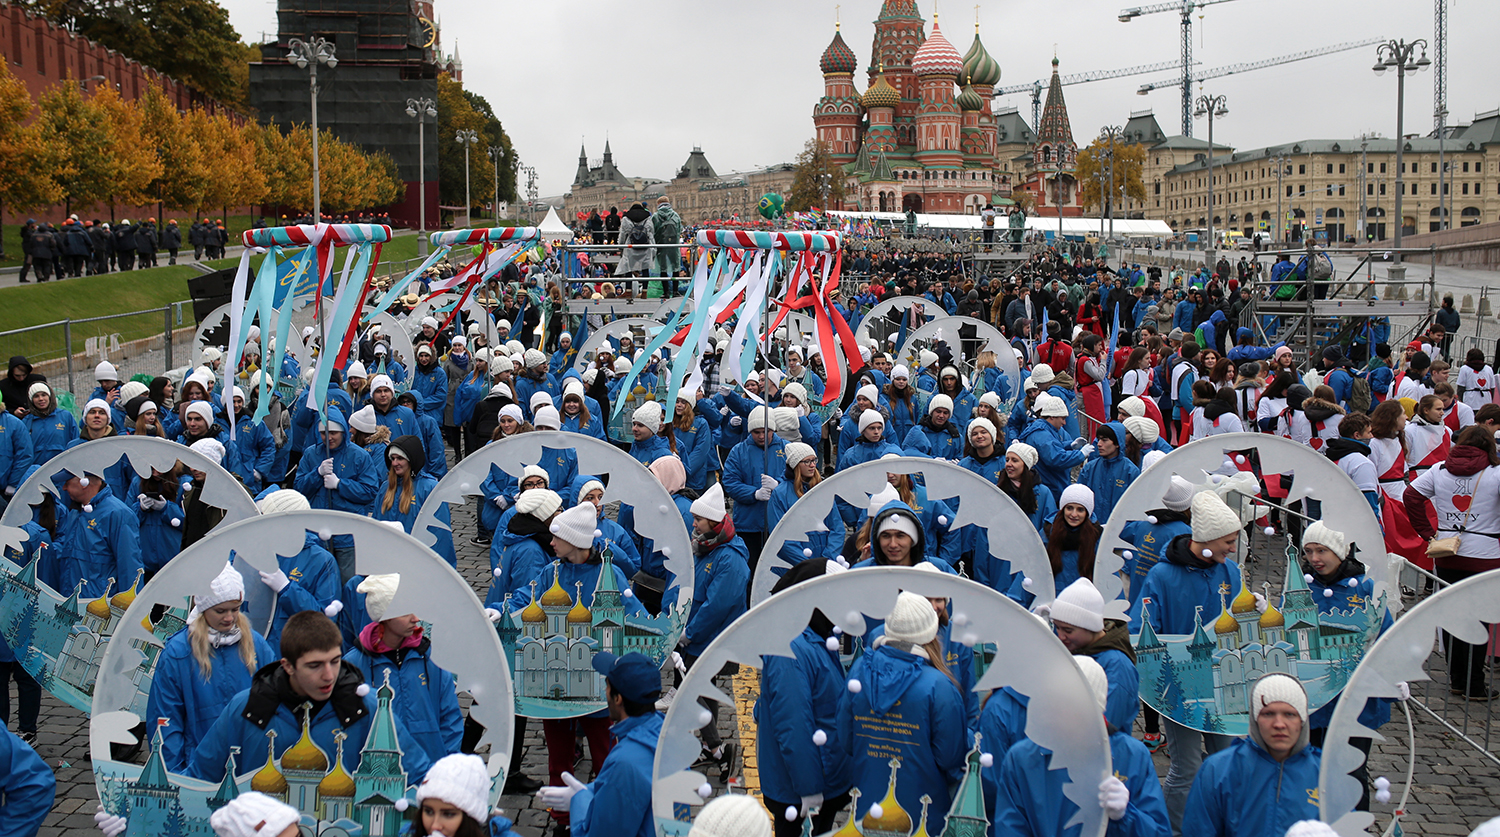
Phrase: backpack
(640,234)
(1322,267)
(1359,395)
(668,227)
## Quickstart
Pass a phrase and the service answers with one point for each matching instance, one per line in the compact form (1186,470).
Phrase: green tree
(131,163)
(28,164)
(813,164)
(1129,157)
(182,178)
(233,172)
(460,109)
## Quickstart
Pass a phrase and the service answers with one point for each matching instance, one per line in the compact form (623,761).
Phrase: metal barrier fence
(148,342)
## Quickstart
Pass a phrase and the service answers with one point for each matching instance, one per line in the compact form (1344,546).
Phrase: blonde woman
(407,488)
(203,666)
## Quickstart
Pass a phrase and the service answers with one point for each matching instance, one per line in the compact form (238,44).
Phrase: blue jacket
(1182,316)
(314,577)
(595,427)
(652,561)
(1055,454)
(946,442)
(1377,711)
(696,450)
(1241,791)
(997,382)
(520,558)
(742,473)
(1342,384)
(432,445)
(422,487)
(1029,799)
(235,726)
(1150,541)
(650,450)
(939,540)
(431,386)
(1108,478)
(1177,591)
(471,391)
(625,550)
(188,702)
(862,450)
(1020,417)
(618,802)
(359,480)
(426,702)
(50,434)
(401,421)
(27,787)
(719,582)
(15,453)
(903,417)
(120,475)
(98,545)
(1211,327)
(823,544)
(160,540)
(525,387)
(798,696)
(1124,700)
(904,709)
(255,450)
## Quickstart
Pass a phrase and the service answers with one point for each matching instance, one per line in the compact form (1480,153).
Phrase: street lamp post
(497,153)
(420,109)
(1280,161)
(467,138)
(1400,56)
(1111,132)
(1099,177)
(1212,106)
(530,193)
(307,55)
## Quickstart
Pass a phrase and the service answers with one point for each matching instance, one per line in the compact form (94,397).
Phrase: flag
(1109,363)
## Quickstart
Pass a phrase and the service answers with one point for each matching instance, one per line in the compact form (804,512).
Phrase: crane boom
(1185,9)
(1036,87)
(1231,69)
(1178,6)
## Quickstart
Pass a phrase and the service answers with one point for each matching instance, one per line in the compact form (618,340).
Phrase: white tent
(1070,226)
(553,228)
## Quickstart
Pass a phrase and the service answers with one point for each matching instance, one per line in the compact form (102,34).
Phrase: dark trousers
(25,265)
(561,736)
(709,734)
(75,265)
(454,436)
(1362,773)
(171,257)
(43,269)
(1465,661)
(28,692)
(754,543)
(127,259)
(822,821)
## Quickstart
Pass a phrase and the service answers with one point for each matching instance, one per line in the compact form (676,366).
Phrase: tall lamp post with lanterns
(307,55)
(1401,56)
(1211,106)
(421,109)
(1279,162)
(467,137)
(497,153)
(1111,133)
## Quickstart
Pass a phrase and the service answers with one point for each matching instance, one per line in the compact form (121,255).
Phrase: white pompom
(333,609)
(325,534)
(837,631)
(705,790)
(942,520)
(1215,478)
(986,759)
(554,528)
(831,643)
(402,804)
(960,619)
(1382,796)
(598,533)
(1026,582)
(362,689)
(1328,593)
(806,552)
(855,686)
(704,717)
(1382,783)
(88,507)
(663,509)
(498,572)
(970,638)
(1128,555)
(1208,553)
(1151,518)
(854,617)
(1307,577)
(176,523)
(629,594)
(464,487)
(1270,531)
(1353,582)
(666,552)
(820,737)
(876,811)
(1239,459)
(791,813)
(83,481)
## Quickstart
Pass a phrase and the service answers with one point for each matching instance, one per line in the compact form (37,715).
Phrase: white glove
(492,614)
(768,481)
(152,503)
(1088,450)
(811,803)
(111,825)
(762,494)
(725,389)
(735,421)
(258,477)
(677,662)
(1079,442)
(276,581)
(1114,797)
(502,502)
(326,468)
(10,491)
(1403,691)
(1260,602)
(330,481)
(723,411)
(559,799)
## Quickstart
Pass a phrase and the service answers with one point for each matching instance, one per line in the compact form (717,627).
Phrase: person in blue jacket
(534,378)
(392,649)
(866,399)
(406,491)
(1150,536)
(1057,453)
(562,359)
(160,519)
(51,429)
(1108,472)
(98,537)
(311,691)
(1023,411)
(1182,315)
(612,535)
(799,695)
(695,442)
(1212,330)
(203,666)
(1193,578)
(501,490)
(15,455)
(750,475)
(937,435)
(525,546)
(1245,350)
(983,457)
(1072,541)
(256,449)
(96,425)
(1078,620)
(430,433)
(618,802)
(1022,484)
(454,799)
(950,383)
(1259,786)
(1028,793)
(28,786)
(905,402)
(401,421)
(430,381)
(308,580)
(472,389)
(645,429)
(1337,375)
(907,707)
(801,477)
(580,413)
(334,474)
(871,443)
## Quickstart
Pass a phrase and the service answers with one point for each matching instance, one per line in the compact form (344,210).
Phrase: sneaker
(28,737)
(479,540)
(1484,695)
(1154,741)
(726,761)
(519,784)
(664,702)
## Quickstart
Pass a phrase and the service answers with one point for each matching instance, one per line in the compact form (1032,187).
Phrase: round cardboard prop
(550,655)
(990,339)
(877,323)
(640,329)
(350,789)
(1062,716)
(401,346)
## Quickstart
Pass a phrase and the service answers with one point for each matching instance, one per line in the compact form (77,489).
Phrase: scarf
(224,640)
(459,360)
(717,537)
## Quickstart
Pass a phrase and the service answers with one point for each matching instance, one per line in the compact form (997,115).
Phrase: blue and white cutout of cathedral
(1204,680)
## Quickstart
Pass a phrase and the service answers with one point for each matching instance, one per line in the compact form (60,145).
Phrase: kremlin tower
(1055,157)
(837,113)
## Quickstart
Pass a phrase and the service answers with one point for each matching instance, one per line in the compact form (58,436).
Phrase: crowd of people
(1118,367)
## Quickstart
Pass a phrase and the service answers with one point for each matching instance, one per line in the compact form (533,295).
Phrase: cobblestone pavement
(1456,786)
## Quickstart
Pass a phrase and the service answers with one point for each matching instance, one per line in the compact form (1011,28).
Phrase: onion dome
(123,599)
(1226,624)
(556,596)
(881,94)
(1244,602)
(979,67)
(100,607)
(893,818)
(268,779)
(969,99)
(338,782)
(838,59)
(305,755)
(579,613)
(1272,618)
(533,612)
(937,57)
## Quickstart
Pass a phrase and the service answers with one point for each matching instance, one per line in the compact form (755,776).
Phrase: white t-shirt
(1203,427)
(1383,454)
(1135,382)
(1478,387)
(1481,524)
(1361,470)
(1421,439)
(1269,408)
(1465,414)
(1412,388)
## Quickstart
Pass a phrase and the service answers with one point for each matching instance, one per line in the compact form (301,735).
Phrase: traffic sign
(1318,217)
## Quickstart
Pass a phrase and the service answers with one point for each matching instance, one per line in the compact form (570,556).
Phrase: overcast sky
(741,78)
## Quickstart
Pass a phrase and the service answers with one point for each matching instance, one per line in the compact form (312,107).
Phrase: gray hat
(1176,334)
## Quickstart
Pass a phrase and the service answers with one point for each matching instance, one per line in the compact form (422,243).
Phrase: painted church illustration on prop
(333,801)
(1204,680)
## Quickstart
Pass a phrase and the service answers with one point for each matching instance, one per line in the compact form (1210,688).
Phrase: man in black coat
(76,249)
(125,245)
(43,250)
(171,240)
(104,247)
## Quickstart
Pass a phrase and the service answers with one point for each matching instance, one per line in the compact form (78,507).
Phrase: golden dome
(1272,618)
(893,818)
(125,598)
(146,623)
(1244,602)
(579,613)
(556,596)
(305,755)
(1226,624)
(880,95)
(338,782)
(100,607)
(533,611)
(268,779)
